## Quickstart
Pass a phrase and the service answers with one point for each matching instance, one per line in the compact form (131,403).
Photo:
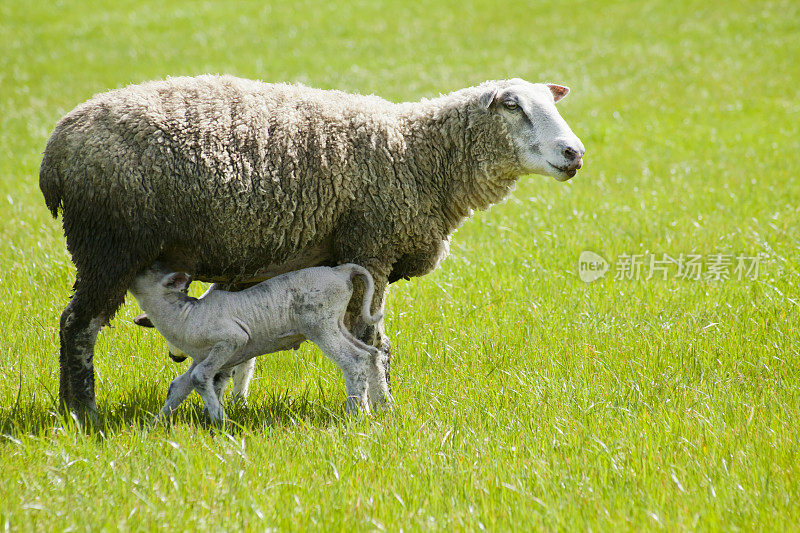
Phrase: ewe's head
(543,141)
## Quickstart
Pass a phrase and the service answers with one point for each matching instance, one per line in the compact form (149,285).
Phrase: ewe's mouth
(569,172)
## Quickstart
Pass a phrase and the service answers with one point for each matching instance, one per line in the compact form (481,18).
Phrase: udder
(182,260)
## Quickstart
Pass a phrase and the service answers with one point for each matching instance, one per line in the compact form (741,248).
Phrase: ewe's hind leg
(78,334)
(107,258)
(91,307)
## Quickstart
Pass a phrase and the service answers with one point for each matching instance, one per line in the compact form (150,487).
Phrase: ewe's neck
(460,155)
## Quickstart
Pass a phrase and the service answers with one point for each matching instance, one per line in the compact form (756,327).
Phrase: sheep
(225,329)
(237,181)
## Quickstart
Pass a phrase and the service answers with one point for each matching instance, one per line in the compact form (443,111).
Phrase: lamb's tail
(50,184)
(363,273)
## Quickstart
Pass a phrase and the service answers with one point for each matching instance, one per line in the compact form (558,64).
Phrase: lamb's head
(543,141)
(158,280)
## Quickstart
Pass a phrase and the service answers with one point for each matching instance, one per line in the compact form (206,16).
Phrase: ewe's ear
(485,100)
(178,281)
(559,91)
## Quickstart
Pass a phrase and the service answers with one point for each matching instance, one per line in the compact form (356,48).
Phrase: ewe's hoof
(84,417)
(357,408)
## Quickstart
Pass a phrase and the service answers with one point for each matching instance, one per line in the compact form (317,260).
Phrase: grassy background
(527,399)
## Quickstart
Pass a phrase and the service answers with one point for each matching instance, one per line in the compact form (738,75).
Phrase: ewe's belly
(221,267)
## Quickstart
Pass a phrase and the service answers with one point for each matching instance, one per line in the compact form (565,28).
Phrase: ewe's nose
(574,155)
(570,153)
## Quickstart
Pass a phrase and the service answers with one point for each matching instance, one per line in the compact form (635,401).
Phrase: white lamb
(224,329)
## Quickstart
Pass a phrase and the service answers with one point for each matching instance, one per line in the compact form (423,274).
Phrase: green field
(526,398)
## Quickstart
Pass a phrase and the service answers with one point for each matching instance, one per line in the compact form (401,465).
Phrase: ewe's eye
(511,105)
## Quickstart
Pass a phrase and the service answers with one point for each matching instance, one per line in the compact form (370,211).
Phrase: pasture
(527,399)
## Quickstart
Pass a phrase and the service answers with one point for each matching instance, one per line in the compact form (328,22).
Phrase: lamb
(237,181)
(241,374)
(225,329)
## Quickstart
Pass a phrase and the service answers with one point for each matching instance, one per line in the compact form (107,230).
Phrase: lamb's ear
(485,100)
(559,91)
(178,281)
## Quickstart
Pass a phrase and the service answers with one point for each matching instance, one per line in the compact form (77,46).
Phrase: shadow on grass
(138,408)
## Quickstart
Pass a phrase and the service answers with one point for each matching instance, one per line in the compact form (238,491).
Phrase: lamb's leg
(377,387)
(351,360)
(242,374)
(203,376)
(374,335)
(179,390)
(221,382)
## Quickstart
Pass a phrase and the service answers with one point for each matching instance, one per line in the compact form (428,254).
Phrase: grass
(527,399)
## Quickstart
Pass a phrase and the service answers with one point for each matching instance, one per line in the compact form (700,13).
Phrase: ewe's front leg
(364,240)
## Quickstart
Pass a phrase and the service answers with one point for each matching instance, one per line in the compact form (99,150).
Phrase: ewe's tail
(50,184)
(363,273)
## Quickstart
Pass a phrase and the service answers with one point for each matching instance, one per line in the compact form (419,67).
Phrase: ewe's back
(208,129)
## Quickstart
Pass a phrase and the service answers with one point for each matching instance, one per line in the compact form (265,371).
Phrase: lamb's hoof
(161,421)
(239,399)
(223,424)
(177,358)
(219,418)
(143,320)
